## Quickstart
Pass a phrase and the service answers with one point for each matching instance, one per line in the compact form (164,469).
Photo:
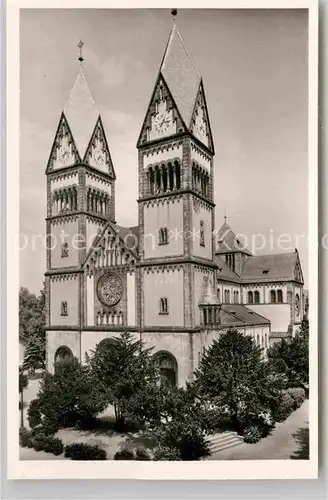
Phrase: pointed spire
(81,113)
(180,74)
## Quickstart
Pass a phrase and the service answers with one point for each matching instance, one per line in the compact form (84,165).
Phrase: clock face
(200,128)
(161,123)
(110,289)
(63,155)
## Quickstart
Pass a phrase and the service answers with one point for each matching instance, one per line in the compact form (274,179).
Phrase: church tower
(176,209)
(80,202)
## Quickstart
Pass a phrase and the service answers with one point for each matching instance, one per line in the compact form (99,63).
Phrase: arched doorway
(63,355)
(168,367)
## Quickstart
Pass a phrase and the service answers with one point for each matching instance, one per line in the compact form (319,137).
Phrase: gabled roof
(275,267)
(81,113)
(128,237)
(238,315)
(224,272)
(181,75)
(227,242)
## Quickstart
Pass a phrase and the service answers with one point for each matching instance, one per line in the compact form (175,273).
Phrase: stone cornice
(175,193)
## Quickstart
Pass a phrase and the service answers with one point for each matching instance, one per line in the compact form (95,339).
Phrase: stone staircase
(224,440)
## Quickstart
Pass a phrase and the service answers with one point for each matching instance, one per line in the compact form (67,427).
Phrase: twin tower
(156,279)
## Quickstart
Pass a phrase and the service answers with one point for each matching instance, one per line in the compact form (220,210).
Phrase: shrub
(297,394)
(25,438)
(166,453)
(39,442)
(142,454)
(34,414)
(252,434)
(53,445)
(69,395)
(83,451)
(124,454)
(284,408)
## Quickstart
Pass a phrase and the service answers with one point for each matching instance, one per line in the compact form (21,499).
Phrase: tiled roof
(228,242)
(236,314)
(130,236)
(260,268)
(81,113)
(225,272)
(181,75)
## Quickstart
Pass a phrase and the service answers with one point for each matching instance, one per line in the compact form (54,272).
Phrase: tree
(22,384)
(35,352)
(181,434)
(290,358)
(235,379)
(32,328)
(125,368)
(71,394)
(31,314)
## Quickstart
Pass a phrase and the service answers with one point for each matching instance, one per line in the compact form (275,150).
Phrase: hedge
(83,451)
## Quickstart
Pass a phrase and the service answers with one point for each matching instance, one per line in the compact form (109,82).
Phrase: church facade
(169,280)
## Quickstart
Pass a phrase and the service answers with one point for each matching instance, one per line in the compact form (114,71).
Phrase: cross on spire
(80,46)
(174,13)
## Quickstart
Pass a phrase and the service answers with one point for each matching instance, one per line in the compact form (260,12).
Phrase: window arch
(168,368)
(256,297)
(273,298)
(279,296)
(108,342)
(250,297)
(63,355)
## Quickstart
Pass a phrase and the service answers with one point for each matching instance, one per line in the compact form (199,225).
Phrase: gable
(64,152)
(162,118)
(97,154)
(200,123)
(298,274)
(114,246)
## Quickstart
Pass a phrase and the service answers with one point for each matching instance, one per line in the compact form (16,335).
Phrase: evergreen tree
(235,379)
(290,358)
(125,368)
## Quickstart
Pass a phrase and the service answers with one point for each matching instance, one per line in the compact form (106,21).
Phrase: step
(224,440)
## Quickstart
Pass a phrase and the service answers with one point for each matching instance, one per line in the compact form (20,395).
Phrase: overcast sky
(254,67)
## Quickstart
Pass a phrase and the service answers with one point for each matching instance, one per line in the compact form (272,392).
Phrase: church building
(171,280)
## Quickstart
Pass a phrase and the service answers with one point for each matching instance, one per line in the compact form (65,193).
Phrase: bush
(142,454)
(83,451)
(39,442)
(25,438)
(166,453)
(53,445)
(252,434)
(68,396)
(297,394)
(34,414)
(124,454)
(284,408)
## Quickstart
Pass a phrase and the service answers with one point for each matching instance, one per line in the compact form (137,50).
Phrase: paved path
(279,445)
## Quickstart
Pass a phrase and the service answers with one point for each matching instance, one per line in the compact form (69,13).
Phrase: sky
(254,69)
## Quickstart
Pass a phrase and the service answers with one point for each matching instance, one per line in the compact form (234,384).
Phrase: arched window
(64,249)
(168,368)
(279,296)
(163,306)
(219,295)
(63,355)
(202,233)
(273,297)
(250,297)
(106,344)
(257,297)
(63,309)
(228,294)
(258,340)
(266,340)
